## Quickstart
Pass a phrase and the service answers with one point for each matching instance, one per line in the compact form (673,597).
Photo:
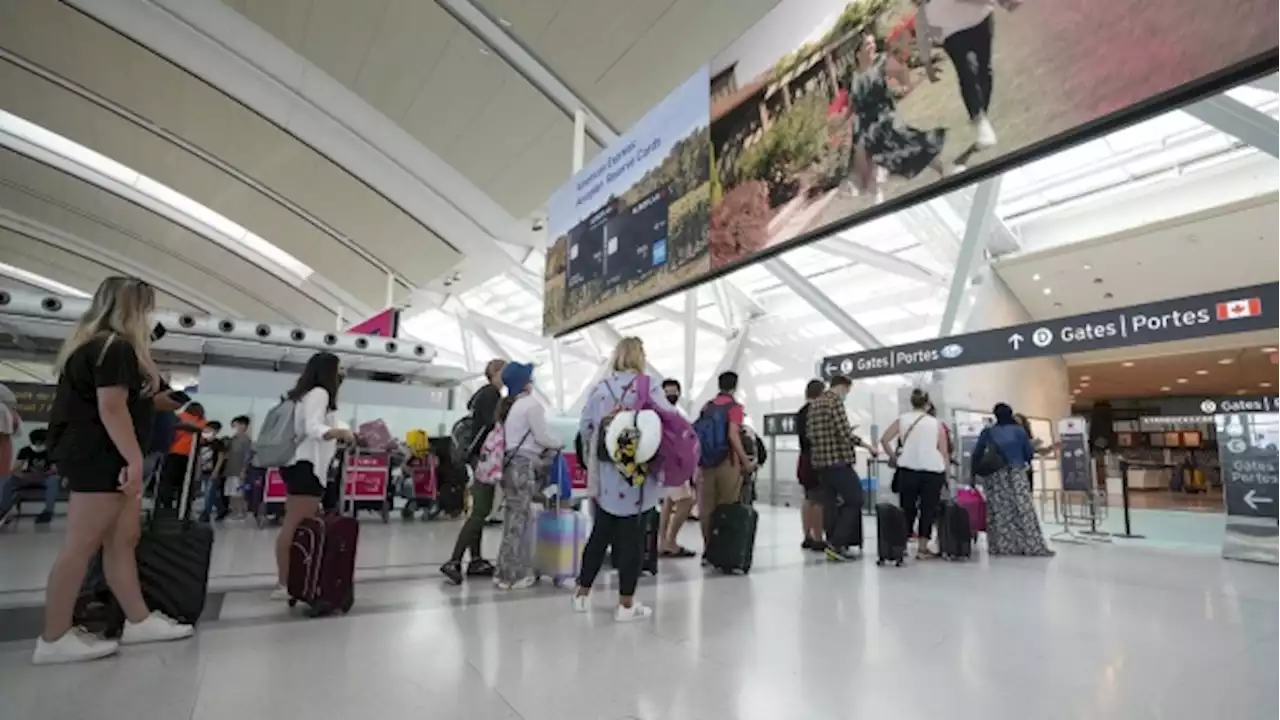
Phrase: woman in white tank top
(921,454)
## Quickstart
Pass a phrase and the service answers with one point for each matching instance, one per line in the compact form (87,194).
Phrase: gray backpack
(277,440)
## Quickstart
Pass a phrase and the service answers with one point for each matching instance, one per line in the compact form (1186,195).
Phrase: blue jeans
(52,486)
(213,498)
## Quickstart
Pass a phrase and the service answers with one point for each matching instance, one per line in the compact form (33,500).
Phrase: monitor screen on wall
(827,113)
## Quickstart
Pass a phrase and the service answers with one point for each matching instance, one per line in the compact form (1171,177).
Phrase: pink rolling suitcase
(970,498)
(560,536)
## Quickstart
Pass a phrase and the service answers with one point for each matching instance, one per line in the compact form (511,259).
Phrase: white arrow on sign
(1016,340)
(1251,499)
(832,368)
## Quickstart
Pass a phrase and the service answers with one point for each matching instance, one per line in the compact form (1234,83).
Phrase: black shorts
(300,480)
(91,478)
(813,493)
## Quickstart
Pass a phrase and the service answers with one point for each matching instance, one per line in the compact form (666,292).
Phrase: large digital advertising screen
(827,113)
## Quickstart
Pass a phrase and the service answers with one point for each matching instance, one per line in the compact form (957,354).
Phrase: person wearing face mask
(213,455)
(31,469)
(678,503)
(832,454)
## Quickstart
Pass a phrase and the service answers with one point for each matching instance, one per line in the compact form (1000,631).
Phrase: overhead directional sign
(1218,313)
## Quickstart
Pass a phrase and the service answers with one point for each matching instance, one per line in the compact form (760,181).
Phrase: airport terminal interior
(414,186)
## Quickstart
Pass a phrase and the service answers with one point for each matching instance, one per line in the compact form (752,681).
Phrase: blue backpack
(712,429)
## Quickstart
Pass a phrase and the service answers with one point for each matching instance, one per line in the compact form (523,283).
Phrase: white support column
(579,140)
(337,319)
(818,300)
(557,376)
(981,214)
(732,359)
(391,290)
(1242,122)
(690,344)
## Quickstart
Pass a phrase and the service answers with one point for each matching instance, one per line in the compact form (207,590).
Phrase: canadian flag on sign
(1237,309)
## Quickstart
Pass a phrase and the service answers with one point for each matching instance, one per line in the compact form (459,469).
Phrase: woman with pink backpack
(634,439)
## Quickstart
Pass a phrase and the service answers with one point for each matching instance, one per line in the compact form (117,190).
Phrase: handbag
(991,462)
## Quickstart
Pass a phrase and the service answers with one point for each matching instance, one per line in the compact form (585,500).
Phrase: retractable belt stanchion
(1124,500)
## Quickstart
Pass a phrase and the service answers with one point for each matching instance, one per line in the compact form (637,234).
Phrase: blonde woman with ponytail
(108,389)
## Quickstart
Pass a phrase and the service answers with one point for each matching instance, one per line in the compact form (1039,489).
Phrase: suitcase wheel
(320,609)
(349,601)
(899,563)
(293,602)
(879,562)
(407,512)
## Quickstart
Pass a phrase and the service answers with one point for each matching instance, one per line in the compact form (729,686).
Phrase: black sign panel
(1218,313)
(585,255)
(776,424)
(1247,453)
(35,401)
(1074,460)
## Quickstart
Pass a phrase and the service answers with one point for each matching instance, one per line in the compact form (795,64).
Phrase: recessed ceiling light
(1084,385)
(1097,281)
(1166,388)
(484,50)
(1202,372)
(1108,296)
(1036,277)
(504,22)
(1076,391)
(1126,364)
(1268,350)
(1264,384)
(1226,361)
(1057,304)
(1086,378)
(1182,381)
(1048,291)
(1242,392)
(1087,266)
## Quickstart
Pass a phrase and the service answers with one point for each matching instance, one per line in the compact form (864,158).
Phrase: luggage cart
(367,482)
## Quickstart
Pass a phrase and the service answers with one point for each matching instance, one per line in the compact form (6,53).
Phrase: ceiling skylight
(259,249)
(40,281)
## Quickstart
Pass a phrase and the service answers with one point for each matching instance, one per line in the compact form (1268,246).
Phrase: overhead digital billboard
(827,113)
(633,223)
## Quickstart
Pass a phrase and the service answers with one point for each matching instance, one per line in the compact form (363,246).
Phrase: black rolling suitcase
(173,568)
(733,538)
(650,521)
(955,534)
(891,534)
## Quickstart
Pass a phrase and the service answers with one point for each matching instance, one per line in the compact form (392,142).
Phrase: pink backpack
(492,451)
(677,457)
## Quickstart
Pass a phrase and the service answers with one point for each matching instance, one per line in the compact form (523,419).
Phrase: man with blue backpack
(724,460)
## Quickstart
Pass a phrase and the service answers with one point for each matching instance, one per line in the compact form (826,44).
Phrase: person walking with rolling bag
(832,454)
(102,410)
(301,436)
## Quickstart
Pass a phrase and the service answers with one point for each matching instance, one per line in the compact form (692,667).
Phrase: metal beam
(819,301)
(981,215)
(612,337)
(483,336)
(748,304)
(845,247)
(488,29)
(517,333)
(1270,83)
(730,360)
(661,312)
(1234,118)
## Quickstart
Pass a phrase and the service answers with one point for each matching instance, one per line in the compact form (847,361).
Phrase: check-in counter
(1145,478)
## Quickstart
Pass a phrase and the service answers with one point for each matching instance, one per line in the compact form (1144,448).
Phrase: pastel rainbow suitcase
(560,537)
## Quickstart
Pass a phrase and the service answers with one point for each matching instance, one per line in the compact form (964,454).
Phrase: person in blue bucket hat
(528,443)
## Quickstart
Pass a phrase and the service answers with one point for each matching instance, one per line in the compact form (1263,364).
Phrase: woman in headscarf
(1012,525)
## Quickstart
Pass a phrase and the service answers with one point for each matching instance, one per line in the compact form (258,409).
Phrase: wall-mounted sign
(1218,313)
(35,401)
(776,424)
(1247,450)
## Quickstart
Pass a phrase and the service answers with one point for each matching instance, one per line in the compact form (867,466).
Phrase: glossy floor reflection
(1097,632)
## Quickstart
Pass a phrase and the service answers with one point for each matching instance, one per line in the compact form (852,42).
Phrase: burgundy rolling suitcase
(322,560)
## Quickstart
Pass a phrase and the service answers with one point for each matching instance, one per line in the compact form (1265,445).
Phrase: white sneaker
(580,602)
(280,594)
(523,583)
(637,611)
(984,134)
(77,645)
(158,627)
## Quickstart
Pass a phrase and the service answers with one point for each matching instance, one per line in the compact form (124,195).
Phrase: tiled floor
(1097,632)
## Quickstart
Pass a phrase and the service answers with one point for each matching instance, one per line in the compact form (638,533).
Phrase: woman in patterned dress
(881,139)
(1012,525)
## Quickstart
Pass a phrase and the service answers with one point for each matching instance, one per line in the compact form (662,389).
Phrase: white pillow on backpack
(649,425)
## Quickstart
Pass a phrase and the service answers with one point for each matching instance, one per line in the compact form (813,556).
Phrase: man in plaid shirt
(832,447)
